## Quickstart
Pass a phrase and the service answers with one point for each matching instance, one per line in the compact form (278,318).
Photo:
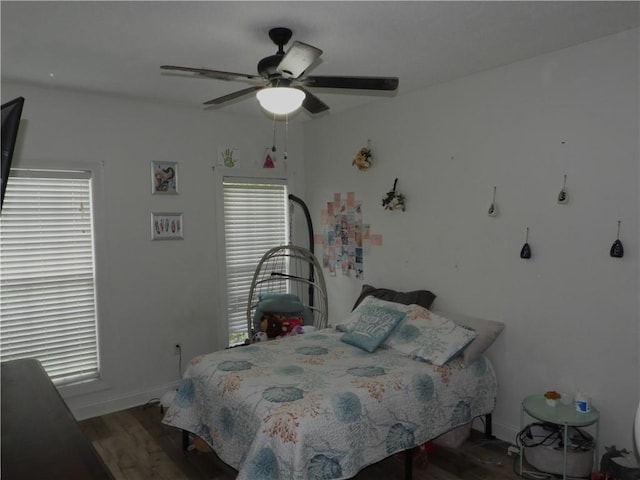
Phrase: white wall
(151,294)
(571,312)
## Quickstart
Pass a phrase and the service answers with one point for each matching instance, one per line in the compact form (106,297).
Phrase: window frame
(256,175)
(96,169)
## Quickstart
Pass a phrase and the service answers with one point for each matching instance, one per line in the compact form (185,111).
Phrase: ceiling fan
(285,70)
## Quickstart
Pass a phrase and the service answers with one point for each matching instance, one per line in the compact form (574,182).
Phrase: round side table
(564,415)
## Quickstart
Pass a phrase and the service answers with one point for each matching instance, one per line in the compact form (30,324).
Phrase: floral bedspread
(313,407)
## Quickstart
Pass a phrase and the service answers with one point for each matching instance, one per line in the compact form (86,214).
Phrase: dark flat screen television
(11,114)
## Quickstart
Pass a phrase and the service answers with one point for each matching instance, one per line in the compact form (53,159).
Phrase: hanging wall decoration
(228,157)
(526,249)
(164,178)
(563,196)
(345,239)
(362,160)
(617,250)
(394,200)
(269,158)
(493,208)
(167,226)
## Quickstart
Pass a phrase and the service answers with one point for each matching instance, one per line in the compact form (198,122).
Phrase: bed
(319,406)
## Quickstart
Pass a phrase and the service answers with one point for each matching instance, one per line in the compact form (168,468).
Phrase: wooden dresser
(40,437)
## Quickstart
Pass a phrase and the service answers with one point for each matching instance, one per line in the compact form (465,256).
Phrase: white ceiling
(118,47)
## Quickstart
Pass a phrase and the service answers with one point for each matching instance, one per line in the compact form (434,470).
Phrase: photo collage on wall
(345,238)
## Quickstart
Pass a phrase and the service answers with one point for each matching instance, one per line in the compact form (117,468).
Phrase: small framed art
(167,226)
(164,178)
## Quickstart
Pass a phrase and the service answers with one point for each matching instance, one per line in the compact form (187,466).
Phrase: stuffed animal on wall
(362,160)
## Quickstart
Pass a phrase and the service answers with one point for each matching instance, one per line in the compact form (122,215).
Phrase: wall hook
(617,250)
(493,208)
(563,196)
(526,249)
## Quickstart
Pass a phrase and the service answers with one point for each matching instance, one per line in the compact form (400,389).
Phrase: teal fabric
(278,296)
(372,324)
(282,304)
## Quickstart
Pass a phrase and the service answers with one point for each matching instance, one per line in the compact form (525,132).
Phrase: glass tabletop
(536,406)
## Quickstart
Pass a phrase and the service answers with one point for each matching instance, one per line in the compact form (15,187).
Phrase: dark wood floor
(136,446)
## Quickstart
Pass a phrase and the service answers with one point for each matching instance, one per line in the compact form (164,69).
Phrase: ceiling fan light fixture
(280,100)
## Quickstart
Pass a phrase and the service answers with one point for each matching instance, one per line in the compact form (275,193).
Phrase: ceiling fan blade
(297,59)
(220,75)
(233,96)
(356,83)
(313,104)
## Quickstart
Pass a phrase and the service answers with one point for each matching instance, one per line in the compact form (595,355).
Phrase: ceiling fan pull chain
(273,148)
(286,134)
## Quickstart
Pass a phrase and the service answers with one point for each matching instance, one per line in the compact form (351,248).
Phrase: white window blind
(255,220)
(47,287)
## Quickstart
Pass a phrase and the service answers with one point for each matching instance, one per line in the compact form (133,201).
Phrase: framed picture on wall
(164,178)
(167,226)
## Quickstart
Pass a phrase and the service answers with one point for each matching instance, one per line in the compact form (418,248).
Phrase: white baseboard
(111,405)
(501,431)
(506,433)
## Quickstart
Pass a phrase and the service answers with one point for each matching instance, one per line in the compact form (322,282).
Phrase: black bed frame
(408,454)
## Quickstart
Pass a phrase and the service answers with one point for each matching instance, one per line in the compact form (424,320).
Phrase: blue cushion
(281,304)
(371,323)
(276,295)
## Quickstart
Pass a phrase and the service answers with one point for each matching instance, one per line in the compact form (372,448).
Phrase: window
(255,220)
(47,281)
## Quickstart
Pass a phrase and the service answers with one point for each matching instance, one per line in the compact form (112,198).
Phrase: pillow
(424,298)
(278,295)
(426,336)
(371,323)
(348,323)
(282,304)
(487,330)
